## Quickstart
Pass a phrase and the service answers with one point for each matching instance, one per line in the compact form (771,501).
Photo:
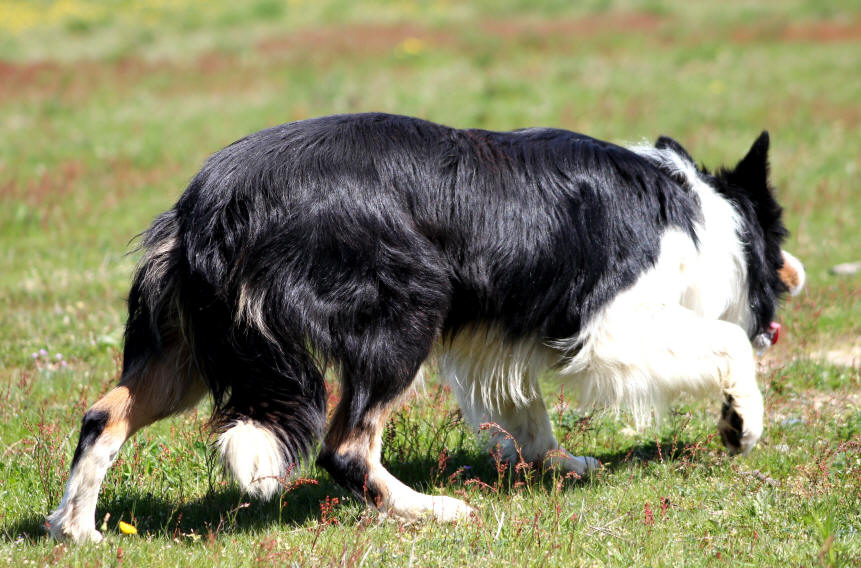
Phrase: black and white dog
(370,242)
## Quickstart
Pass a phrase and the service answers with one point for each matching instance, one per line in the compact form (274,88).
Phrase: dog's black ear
(665,142)
(752,170)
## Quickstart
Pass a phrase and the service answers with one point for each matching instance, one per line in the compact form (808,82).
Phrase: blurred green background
(107,108)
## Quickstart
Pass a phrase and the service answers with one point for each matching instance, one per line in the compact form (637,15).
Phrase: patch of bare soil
(108,185)
(74,81)
(824,32)
(51,185)
(811,405)
(352,39)
(845,352)
(14,77)
(816,32)
(844,355)
(588,26)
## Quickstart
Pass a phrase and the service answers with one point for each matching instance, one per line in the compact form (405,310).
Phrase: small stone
(846,268)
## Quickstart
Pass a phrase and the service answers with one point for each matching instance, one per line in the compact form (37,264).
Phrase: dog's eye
(680,179)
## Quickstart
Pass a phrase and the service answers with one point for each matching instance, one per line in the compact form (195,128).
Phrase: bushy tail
(268,391)
(268,423)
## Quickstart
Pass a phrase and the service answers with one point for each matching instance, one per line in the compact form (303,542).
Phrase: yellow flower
(126,528)
(412,46)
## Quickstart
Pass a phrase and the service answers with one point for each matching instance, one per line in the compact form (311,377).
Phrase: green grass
(105,114)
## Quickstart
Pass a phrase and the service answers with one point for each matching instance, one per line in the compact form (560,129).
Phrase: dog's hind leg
(351,454)
(374,378)
(523,432)
(149,390)
(496,385)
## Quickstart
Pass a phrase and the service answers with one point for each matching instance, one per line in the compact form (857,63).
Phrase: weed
(48,455)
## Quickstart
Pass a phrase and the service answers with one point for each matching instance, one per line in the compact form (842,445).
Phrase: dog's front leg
(741,421)
(643,357)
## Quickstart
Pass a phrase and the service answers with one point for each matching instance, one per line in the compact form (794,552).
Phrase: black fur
(361,239)
(351,472)
(92,426)
(731,426)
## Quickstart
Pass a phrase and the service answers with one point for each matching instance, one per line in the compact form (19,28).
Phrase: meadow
(108,109)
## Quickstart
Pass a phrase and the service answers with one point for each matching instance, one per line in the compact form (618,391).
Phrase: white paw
(565,461)
(74,533)
(449,509)
(410,506)
(64,525)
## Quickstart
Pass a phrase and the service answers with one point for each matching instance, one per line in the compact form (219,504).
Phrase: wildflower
(412,46)
(649,519)
(59,356)
(126,528)
(42,352)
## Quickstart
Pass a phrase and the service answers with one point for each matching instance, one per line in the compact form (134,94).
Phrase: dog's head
(771,271)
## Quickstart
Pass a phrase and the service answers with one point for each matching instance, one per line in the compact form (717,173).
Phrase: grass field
(108,109)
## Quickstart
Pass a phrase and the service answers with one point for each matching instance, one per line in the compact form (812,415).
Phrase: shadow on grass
(228,510)
(463,466)
(666,450)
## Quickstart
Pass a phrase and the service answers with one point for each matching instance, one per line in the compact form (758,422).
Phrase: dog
(367,243)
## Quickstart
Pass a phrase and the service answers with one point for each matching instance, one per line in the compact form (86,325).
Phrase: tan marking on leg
(374,453)
(362,443)
(393,497)
(143,396)
(167,387)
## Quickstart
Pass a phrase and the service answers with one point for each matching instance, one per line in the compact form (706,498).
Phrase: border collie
(367,243)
